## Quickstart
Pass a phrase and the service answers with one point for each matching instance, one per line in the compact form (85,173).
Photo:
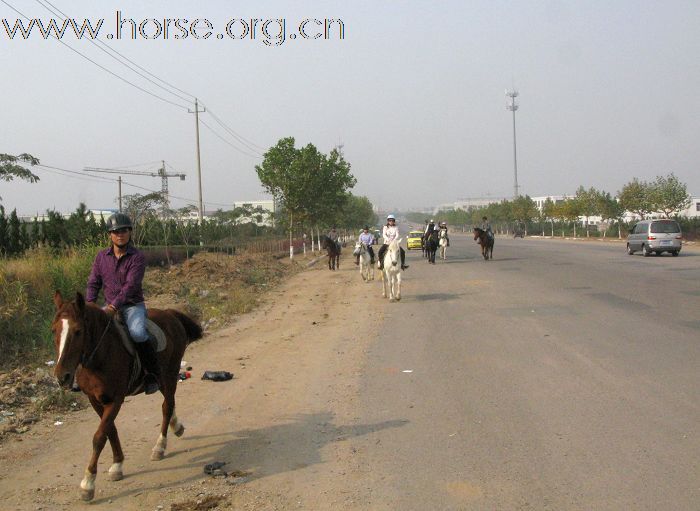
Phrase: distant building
(266,207)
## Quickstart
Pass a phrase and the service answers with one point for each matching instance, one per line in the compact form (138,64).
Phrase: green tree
(588,202)
(637,197)
(670,195)
(610,209)
(14,235)
(306,183)
(571,211)
(524,210)
(3,232)
(142,209)
(15,167)
(548,213)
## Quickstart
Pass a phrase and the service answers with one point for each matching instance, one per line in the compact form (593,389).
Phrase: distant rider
(367,239)
(390,233)
(443,227)
(333,235)
(486,227)
(119,272)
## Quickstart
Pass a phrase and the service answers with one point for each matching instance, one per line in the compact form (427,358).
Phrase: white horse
(366,269)
(443,244)
(391,276)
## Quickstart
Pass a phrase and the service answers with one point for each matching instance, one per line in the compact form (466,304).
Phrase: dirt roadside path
(281,423)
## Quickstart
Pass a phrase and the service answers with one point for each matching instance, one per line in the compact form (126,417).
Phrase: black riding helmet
(118,221)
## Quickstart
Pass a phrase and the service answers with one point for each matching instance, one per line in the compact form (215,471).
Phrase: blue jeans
(135,319)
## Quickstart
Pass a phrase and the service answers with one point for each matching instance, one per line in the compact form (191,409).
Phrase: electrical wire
(100,45)
(229,143)
(101,66)
(247,143)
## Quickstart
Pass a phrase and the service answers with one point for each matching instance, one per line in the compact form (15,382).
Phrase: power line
(100,65)
(100,45)
(229,143)
(249,144)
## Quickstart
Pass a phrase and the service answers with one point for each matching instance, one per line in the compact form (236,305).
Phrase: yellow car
(414,240)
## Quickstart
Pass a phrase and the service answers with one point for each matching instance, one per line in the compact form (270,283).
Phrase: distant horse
(333,251)
(391,275)
(485,241)
(443,244)
(431,246)
(366,267)
(90,350)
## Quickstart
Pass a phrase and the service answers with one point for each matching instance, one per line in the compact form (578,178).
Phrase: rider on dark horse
(367,239)
(333,235)
(118,271)
(486,227)
(390,233)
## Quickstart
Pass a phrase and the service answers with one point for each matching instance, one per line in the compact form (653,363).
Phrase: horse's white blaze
(88,482)
(64,336)
(116,468)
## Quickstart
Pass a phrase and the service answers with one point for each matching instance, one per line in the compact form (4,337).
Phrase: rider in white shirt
(367,239)
(390,232)
(443,225)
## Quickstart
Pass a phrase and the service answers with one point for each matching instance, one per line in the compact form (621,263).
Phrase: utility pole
(196,113)
(513,106)
(119,180)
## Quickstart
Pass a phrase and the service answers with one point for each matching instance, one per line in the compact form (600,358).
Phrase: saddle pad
(152,328)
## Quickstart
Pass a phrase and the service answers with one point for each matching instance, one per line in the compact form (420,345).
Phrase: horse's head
(394,251)
(68,329)
(477,232)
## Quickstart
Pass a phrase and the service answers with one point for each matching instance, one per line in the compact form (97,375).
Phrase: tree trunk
(291,247)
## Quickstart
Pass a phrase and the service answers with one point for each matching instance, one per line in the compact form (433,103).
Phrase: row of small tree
(312,188)
(666,196)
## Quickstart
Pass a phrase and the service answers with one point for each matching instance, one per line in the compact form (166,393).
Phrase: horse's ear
(80,301)
(399,240)
(57,299)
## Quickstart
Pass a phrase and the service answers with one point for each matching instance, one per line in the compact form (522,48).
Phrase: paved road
(560,375)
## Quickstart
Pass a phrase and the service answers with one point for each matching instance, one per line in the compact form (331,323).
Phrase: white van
(655,236)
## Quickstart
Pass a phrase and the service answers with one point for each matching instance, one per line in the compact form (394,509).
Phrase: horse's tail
(192,327)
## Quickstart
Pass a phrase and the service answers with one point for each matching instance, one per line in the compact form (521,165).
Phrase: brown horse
(90,351)
(485,241)
(333,252)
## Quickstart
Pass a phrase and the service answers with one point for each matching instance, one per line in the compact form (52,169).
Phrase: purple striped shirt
(121,278)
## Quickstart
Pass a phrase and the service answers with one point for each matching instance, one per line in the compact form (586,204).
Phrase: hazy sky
(415,92)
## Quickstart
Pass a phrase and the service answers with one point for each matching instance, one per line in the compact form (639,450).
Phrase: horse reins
(88,362)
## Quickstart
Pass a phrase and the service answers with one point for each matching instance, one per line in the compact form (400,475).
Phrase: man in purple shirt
(119,271)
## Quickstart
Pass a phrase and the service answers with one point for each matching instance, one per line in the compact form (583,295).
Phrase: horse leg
(116,471)
(385,279)
(109,413)
(169,419)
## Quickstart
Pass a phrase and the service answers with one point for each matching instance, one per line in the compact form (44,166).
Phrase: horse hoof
(157,455)
(180,431)
(87,495)
(116,476)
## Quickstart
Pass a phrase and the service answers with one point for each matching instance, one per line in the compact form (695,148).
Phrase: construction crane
(161,173)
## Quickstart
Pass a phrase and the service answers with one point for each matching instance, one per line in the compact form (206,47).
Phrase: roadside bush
(26,299)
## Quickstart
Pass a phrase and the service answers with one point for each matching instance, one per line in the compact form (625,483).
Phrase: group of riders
(390,232)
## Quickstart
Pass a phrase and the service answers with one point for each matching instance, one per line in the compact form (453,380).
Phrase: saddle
(135,371)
